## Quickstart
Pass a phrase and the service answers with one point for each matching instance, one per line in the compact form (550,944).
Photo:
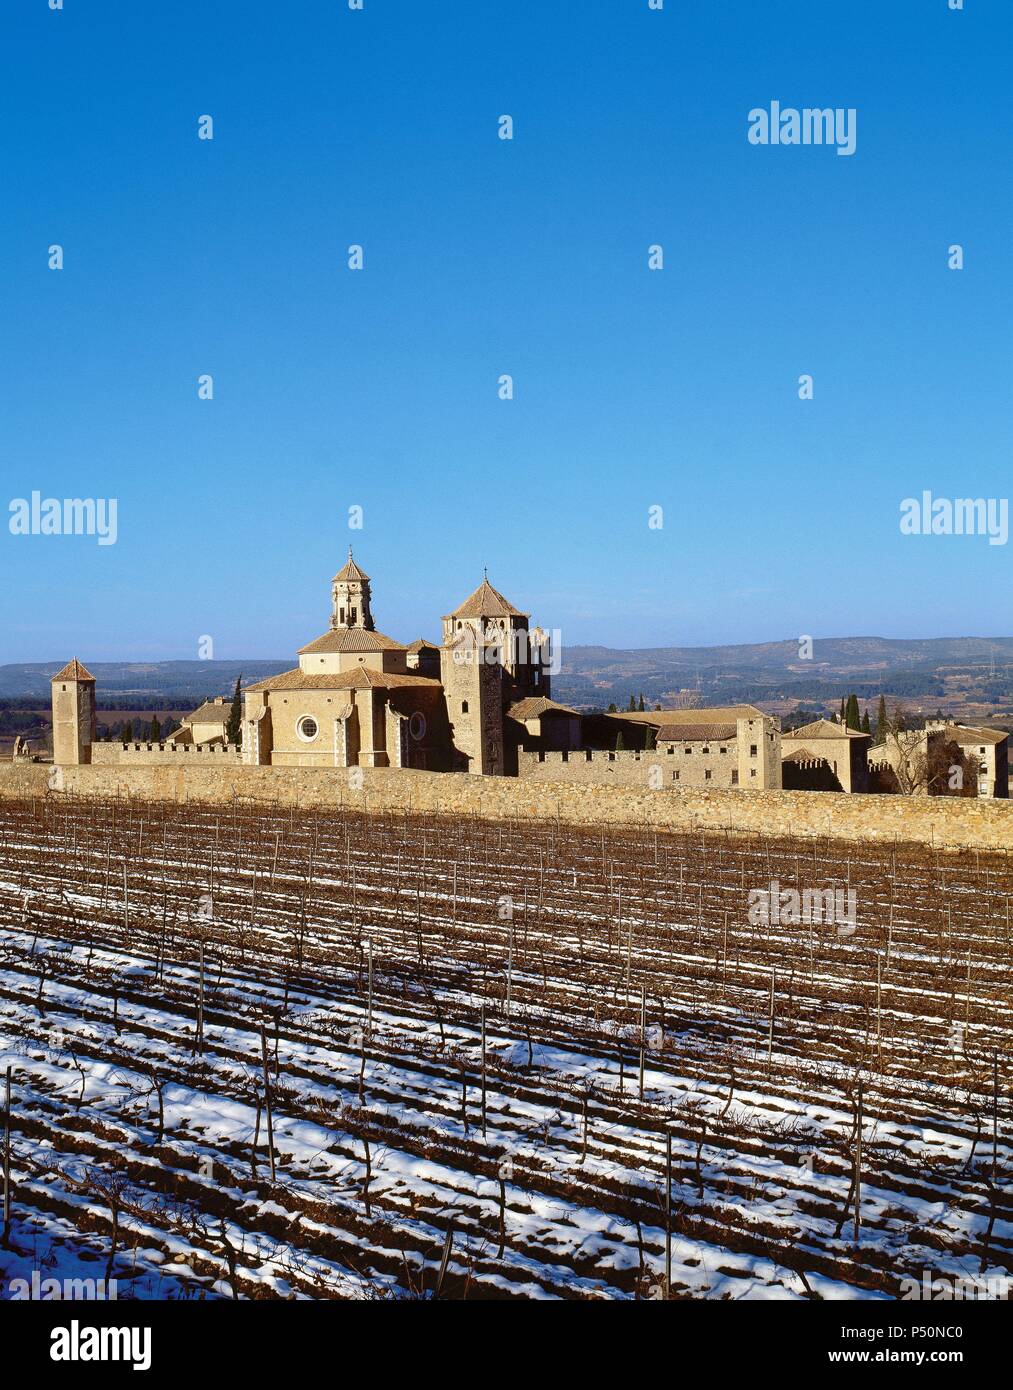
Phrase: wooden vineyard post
(770,1030)
(267,1099)
(724,951)
(858,1168)
(483,1069)
(995,1109)
(879,1007)
(510,970)
(448,1245)
(7,1158)
(643,1031)
(668,1216)
(198,1041)
(889,930)
(369,995)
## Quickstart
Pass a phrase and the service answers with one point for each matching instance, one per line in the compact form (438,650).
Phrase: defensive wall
(129,755)
(943,821)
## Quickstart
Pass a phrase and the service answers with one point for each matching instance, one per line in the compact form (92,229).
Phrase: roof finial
(485,571)
(349,550)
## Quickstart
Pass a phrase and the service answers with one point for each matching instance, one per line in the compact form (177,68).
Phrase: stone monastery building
(480,702)
(359,698)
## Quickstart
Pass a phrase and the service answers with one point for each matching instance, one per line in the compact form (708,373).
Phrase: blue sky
(378,388)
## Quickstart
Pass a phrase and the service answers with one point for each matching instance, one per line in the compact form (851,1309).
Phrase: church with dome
(359,698)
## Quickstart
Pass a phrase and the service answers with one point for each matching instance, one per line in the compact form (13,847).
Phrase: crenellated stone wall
(170,754)
(944,821)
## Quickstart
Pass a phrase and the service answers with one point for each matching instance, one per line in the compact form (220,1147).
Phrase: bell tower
(350,597)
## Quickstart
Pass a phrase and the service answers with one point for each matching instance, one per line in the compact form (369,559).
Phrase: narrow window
(752,750)
(464,707)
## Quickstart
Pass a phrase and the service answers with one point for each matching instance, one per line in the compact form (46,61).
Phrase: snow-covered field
(662,1084)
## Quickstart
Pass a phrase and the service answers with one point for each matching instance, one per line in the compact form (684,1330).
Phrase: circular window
(307,728)
(417,725)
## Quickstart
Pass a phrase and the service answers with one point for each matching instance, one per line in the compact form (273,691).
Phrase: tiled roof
(211,711)
(352,639)
(823,728)
(695,733)
(535,706)
(73,671)
(361,678)
(968,734)
(802,755)
(486,602)
(350,571)
(421,644)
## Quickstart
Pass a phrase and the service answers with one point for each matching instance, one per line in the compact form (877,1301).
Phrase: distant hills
(957,673)
(182,681)
(952,671)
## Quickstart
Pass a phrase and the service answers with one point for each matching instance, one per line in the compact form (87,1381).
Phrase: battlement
(153,754)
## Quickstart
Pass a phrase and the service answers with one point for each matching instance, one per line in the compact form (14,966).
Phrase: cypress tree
(866,729)
(853,717)
(633,704)
(153,732)
(233,729)
(640,706)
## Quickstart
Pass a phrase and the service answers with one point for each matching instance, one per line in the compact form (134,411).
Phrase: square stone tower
(483,657)
(73,691)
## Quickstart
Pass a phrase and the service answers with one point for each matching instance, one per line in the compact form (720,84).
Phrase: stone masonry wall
(942,821)
(171,754)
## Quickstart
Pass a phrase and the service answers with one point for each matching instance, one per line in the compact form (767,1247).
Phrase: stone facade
(826,756)
(943,822)
(987,748)
(729,746)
